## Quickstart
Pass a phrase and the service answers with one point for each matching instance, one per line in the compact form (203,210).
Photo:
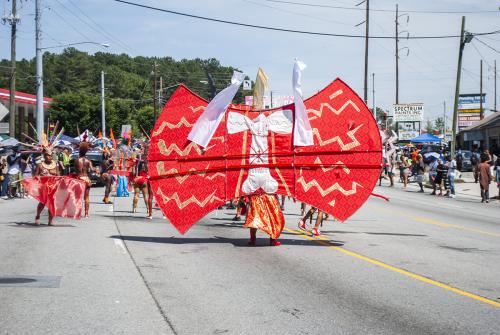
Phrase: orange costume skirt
(265,213)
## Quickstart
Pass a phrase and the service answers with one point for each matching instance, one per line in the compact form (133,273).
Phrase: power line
(479,53)
(489,46)
(103,30)
(69,24)
(297,13)
(284,29)
(383,10)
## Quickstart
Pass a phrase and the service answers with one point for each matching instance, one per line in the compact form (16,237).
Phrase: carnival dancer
(106,167)
(140,183)
(309,216)
(47,167)
(83,167)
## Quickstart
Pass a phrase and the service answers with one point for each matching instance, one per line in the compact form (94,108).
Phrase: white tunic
(279,122)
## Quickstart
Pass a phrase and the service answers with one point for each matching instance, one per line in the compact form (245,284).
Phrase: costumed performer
(106,167)
(83,168)
(140,183)
(319,220)
(47,167)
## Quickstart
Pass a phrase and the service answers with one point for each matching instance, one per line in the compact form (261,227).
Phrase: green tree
(72,78)
(429,127)
(439,124)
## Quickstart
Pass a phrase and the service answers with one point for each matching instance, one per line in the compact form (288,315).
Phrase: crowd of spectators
(441,170)
(19,164)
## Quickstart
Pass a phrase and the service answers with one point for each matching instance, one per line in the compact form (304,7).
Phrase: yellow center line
(435,222)
(325,242)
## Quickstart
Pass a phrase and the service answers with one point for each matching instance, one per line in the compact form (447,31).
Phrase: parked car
(96,158)
(466,165)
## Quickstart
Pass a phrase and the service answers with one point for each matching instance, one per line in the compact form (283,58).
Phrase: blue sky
(427,74)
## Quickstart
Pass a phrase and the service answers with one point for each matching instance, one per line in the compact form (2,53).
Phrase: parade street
(415,265)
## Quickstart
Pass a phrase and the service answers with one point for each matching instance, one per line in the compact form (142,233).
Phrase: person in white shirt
(452,170)
(14,170)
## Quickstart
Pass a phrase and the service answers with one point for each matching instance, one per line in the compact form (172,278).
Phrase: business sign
(469,111)
(278,100)
(407,135)
(465,124)
(408,112)
(469,118)
(471,101)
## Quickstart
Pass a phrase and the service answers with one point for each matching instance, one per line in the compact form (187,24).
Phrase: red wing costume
(62,195)
(253,151)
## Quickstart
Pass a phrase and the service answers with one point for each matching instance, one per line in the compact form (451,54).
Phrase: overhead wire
(107,34)
(285,29)
(487,45)
(382,10)
(70,25)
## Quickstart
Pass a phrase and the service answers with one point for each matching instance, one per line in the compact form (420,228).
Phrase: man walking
(452,168)
(484,178)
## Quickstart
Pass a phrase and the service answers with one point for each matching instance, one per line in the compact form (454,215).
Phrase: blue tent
(66,138)
(426,138)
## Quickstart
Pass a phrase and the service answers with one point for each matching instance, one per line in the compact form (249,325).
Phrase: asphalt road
(415,265)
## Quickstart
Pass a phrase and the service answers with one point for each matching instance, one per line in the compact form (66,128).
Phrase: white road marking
(120,246)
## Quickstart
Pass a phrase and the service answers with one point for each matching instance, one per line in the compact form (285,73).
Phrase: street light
(106,45)
(39,71)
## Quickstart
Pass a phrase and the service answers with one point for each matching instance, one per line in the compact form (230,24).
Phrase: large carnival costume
(325,151)
(62,195)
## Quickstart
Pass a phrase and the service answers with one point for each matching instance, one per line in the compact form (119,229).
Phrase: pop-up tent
(426,138)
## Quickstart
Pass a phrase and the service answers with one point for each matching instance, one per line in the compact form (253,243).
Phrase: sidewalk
(464,186)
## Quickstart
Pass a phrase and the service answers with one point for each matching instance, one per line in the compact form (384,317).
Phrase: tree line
(73,78)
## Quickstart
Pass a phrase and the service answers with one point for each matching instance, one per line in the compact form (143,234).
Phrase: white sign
(406,135)
(247,85)
(408,112)
(126,130)
(470,101)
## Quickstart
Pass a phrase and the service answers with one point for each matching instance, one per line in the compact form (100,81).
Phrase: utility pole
(13,19)
(495,78)
(463,40)
(103,106)
(481,111)
(397,55)
(39,71)
(444,119)
(271,104)
(367,24)
(160,91)
(373,97)
(155,90)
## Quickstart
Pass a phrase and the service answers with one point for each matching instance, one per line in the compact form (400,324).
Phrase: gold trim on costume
(191,200)
(162,147)
(273,147)
(243,152)
(335,187)
(343,146)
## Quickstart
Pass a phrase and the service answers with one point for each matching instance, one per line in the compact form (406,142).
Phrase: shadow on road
(42,225)
(369,233)
(237,242)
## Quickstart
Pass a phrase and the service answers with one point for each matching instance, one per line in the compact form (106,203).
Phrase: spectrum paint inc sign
(408,112)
